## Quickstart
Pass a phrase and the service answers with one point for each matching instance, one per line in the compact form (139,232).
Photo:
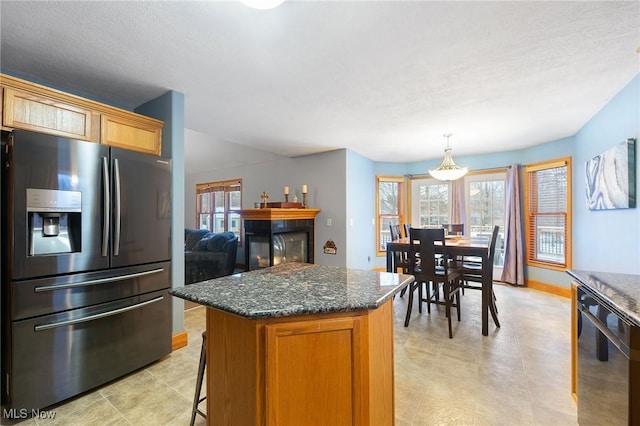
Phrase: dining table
(458,247)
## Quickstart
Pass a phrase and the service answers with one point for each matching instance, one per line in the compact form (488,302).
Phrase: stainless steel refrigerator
(87,266)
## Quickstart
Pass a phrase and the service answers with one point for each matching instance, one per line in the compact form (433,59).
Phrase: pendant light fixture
(448,169)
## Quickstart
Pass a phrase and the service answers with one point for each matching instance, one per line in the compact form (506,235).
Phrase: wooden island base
(322,369)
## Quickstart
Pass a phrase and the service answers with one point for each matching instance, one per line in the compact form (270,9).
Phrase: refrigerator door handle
(107,207)
(42,288)
(116,181)
(42,327)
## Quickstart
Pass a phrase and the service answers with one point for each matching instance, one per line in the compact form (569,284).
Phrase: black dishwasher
(608,364)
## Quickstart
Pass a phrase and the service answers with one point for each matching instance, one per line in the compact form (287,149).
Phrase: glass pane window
(235,200)
(385,232)
(204,202)
(389,208)
(485,208)
(218,222)
(429,203)
(217,206)
(434,205)
(550,238)
(219,201)
(204,222)
(388,195)
(547,214)
(234,223)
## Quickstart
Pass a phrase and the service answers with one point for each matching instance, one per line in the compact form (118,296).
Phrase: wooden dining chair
(430,276)
(399,258)
(471,272)
(407,226)
(394,229)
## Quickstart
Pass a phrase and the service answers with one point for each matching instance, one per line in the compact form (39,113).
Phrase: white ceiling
(385,79)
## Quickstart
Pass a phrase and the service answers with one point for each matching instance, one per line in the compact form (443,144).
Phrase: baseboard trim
(179,340)
(548,288)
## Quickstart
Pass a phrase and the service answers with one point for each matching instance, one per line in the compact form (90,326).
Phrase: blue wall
(170,109)
(360,214)
(607,240)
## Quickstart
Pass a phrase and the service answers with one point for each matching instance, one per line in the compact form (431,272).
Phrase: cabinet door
(28,111)
(133,134)
(314,372)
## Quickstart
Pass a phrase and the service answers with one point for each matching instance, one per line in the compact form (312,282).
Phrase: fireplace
(273,237)
(285,247)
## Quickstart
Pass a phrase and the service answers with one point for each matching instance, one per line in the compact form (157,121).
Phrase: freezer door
(141,191)
(42,167)
(58,356)
(43,296)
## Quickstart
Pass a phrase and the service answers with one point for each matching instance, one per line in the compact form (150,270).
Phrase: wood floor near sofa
(519,374)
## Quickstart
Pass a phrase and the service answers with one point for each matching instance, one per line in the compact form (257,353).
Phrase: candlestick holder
(304,200)
(286,198)
(264,197)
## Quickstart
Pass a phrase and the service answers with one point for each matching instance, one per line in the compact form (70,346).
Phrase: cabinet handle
(40,289)
(42,327)
(107,207)
(116,181)
(605,330)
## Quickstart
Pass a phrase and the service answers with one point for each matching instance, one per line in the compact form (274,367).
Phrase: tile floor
(518,375)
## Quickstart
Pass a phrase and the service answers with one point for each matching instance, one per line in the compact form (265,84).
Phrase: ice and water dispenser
(54,221)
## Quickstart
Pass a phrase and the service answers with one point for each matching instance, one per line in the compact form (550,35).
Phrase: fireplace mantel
(278,214)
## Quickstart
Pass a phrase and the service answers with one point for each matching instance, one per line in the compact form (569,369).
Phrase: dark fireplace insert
(272,242)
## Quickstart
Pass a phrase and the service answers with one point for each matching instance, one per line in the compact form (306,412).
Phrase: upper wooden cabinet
(30,106)
(27,111)
(129,133)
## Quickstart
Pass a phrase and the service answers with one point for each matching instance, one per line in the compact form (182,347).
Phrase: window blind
(548,213)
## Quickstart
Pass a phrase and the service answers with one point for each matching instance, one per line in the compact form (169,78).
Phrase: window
(218,206)
(548,214)
(485,208)
(389,208)
(429,203)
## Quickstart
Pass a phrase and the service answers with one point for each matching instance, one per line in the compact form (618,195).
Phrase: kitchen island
(299,344)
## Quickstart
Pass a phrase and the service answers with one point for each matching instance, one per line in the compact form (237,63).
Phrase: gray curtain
(513,271)
(457,202)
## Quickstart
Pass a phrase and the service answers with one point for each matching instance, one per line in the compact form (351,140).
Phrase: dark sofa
(208,255)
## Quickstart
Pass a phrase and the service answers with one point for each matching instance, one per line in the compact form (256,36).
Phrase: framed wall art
(611,178)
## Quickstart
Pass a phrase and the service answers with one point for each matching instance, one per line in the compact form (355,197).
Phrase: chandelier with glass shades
(448,169)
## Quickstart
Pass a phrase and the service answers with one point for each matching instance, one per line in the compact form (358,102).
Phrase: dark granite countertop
(293,289)
(621,291)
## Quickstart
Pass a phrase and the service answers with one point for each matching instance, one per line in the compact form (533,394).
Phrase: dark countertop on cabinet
(620,291)
(292,289)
